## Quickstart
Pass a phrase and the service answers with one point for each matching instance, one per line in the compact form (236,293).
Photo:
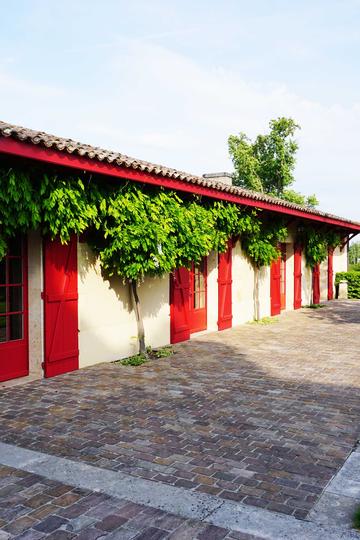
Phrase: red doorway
(297,276)
(278,282)
(225,288)
(198,297)
(14,343)
(331,274)
(179,305)
(275,302)
(283,276)
(60,307)
(188,301)
(316,284)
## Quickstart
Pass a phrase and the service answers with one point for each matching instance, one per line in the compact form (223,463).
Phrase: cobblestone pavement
(263,414)
(33,507)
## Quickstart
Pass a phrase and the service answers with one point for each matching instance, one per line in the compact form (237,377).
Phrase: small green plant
(136,360)
(151,354)
(266,320)
(163,352)
(356,519)
(314,306)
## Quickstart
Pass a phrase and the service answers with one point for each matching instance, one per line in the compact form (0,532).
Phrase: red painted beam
(56,157)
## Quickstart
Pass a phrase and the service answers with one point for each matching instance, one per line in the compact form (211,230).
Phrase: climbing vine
(316,243)
(136,230)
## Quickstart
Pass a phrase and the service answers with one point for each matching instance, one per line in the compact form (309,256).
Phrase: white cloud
(161,106)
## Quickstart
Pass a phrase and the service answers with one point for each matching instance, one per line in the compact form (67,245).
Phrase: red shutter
(60,307)
(297,277)
(316,284)
(179,306)
(225,289)
(275,275)
(331,274)
(14,342)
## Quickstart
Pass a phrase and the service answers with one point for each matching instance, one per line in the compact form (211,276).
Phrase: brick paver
(263,414)
(33,507)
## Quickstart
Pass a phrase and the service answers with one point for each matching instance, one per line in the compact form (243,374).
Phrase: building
(58,313)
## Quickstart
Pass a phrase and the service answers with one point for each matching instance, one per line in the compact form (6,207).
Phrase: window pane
(2,299)
(16,324)
(2,329)
(15,299)
(14,247)
(15,270)
(2,271)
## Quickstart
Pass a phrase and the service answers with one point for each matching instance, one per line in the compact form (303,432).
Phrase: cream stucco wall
(340,260)
(107,322)
(306,283)
(36,317)
(242,287)
(264,292)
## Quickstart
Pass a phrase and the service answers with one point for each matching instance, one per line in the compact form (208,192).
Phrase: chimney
(224,177)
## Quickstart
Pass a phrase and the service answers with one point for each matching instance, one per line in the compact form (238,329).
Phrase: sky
(169,80)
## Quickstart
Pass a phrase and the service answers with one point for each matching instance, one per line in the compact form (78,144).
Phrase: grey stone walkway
(257,417)
(182,513)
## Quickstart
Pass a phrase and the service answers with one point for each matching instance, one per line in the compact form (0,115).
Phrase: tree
(354,255)
(267,164)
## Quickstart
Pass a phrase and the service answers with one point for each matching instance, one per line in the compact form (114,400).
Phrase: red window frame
(7,286)
(14,353)
(198,315)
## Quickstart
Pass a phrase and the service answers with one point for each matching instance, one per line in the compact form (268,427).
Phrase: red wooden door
(225,289)
(275,275)
(198,297)
(316,284)
(179,305)
(297,277)
(283,276)
(14,342)
(60,307)
(331,274)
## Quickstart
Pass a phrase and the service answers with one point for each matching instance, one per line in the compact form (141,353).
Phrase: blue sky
(168,81)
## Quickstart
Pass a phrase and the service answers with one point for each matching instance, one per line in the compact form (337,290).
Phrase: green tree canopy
(267,164)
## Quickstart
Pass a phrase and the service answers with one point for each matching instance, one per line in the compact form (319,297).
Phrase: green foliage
(261,242)
(354,253)
(353,279)
(57,205)
(315,306)
(151,354)
(354,267)
(295,197)
(137,231)
(267,164)
(265,320)
(162,352)
(316,243)
(136,360)
(356,519)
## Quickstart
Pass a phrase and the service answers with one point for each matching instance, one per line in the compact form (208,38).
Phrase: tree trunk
(139,319)
(256,294)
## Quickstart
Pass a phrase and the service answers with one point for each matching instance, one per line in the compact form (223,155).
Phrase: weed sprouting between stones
(151,354)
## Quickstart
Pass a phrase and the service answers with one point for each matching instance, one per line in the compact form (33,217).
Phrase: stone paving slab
(207,515)
(33,507)
(260,414)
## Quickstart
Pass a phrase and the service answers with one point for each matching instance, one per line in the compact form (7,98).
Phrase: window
(199,286)
(12,293)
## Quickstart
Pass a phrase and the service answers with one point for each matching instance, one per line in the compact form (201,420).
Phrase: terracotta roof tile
(99,154)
